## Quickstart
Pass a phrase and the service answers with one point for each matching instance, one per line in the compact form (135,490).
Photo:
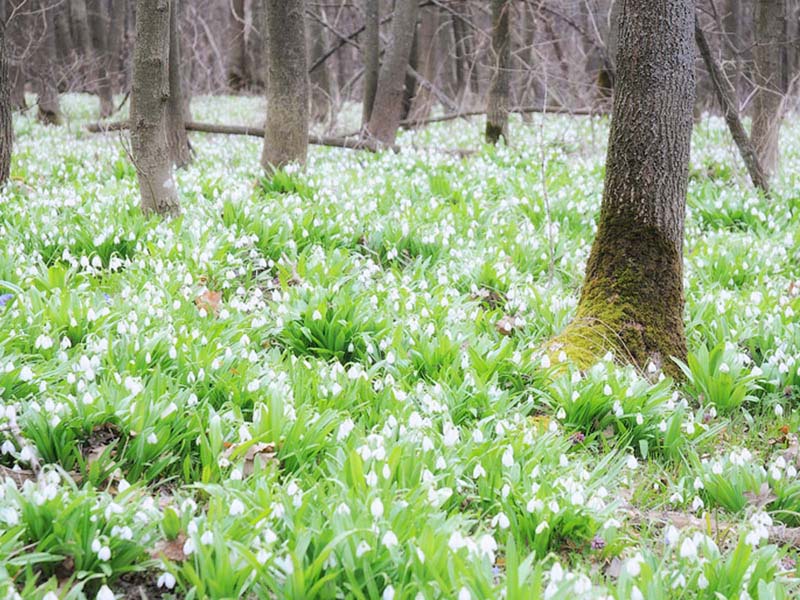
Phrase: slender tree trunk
(632,298)
(83,43)
(6,125)
(49,108)
(732,24)
(727,100)
(497,104)
(100,24)
(14,50)
(768,99)
(372,52)
(428,62)
(388,105)
(257,45)
(320,78)
(116,44)
(410,87)
(176,111)
(237,58)
(286,134)
(149,140)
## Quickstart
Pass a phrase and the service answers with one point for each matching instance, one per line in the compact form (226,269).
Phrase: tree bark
(257,45)
(388,105)
(428,63)
(149,143)
(372,51)
(768,98)
(100,23)
(320,78)
(176,110)
(6,125)
(116,44)
(286,133)
(497,104)
(49,108)
(732,25)
(632,298)
(237,59)
(727,101)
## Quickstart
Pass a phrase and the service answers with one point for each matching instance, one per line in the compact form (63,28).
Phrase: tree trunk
(237,59)
(768,99)
(372,52)
(257,45)
(388,105)
(82,38)
(320,78)
(410,85)
(726,95)
(732,25)
(100,24)
(632,298)
(14,50)
(6,125)
(149,143)
(176,111)
(49,109)
(286,134)
(116,44)
(428,63)
(497,104)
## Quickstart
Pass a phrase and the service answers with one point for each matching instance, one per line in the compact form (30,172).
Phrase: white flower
(702,582)
(25,373)
(345,428)
(631,462)
(388,593)
(671,535)
(508,457)
(207,538)
(463,594)
(188,546)
(166,580)
(236,508)
(456,541)
(376,508)
(634,565)
(778,410)
(478,471)
(688,549)
(389,539)
(362,548)
(501,520)
(316,316)
(105,593)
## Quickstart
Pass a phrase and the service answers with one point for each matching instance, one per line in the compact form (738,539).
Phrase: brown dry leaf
(18,476)
(209,301)
(262,452)
(170,549)
(508,324)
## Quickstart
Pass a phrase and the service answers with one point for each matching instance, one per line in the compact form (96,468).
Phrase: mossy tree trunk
(6,126)
(177,107)
(632,298)
(768,98)
(286,134)
(387,109)
(497,104)
(372,51)
(149,97)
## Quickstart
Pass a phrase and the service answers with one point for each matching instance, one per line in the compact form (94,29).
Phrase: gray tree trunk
(388,106)
(768,98)
(100,23)
(149,97)
(116,44)
(257,45)
(237,57)
(177,108)
(49,108)
(320,78)
(732,25)
(497,104)
(372,52)
(428,62)
(286,133)
(632,298)
(6,125)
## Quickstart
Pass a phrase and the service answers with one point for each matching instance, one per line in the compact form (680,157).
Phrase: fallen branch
(247,130)
(777,534)
(555,110)
(726,97)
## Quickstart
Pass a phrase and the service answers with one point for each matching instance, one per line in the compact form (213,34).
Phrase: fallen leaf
(262,452)
(762,498)
(170,549)
(209,301)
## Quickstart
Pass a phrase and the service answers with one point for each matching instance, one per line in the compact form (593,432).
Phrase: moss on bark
(632,299)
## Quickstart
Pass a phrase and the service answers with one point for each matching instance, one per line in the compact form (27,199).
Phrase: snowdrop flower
(362,548)
(389,539)
(188,547)
(478,471)
(388,593)
(508,457)
(631,462)
(501,520)
(236,508)
(671,535)
(463,594)
(105,593)
(634,564)
(166,580)
(456,541)
(688,549)
(207,538)
(376,508)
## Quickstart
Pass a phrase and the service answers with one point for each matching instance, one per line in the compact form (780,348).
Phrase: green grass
(348,421)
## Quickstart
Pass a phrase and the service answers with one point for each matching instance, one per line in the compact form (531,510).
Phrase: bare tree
(372,52)
(100,22)
(237,53)
(497,104)
(286,134)
(632,298)
(149,143)
(177,107)
(6,126)
(768,99)
(49,107)
(388,106)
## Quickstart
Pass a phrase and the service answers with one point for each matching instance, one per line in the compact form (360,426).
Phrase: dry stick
(335,142)
(777,534)
(726,98)
(557,110)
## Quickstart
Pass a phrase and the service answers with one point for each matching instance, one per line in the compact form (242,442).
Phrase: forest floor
(331,384)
